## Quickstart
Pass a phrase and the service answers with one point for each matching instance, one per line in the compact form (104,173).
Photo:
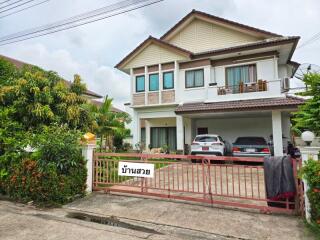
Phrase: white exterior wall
(283,71)
(266,70)
(231,128)
(194,94)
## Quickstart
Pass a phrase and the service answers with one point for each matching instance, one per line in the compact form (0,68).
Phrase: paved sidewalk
(222,222)
(150,219)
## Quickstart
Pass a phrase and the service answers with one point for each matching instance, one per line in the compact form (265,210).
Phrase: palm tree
(106,123)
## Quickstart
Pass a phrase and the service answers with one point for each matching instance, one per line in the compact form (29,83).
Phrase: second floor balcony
(259,86)
(244,91)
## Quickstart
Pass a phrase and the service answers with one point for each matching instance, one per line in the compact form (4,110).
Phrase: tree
(39,109)
(107,124)
(39,98)
(308,116)
(7,71)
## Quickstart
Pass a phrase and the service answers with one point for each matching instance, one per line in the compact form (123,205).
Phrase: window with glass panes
(168,80)
(140,83)
(154,82)
(238,74)
(194,78)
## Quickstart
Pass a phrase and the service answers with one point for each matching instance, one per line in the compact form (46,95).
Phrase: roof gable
(200,35)
(153,51)
(259,33)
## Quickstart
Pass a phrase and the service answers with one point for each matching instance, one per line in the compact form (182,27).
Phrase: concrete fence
(301,143)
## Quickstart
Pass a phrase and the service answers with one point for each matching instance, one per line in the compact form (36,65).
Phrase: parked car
(208,144)
(250,147)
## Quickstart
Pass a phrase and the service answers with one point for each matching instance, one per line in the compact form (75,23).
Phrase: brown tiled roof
(273,39)
(221,20)
(20,64)
(248,46)
(17,63)
(156,41)
(113,109)
(88,92)
(242,105)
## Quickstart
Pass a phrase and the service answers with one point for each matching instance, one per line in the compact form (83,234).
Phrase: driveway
(227,182)
(143,218)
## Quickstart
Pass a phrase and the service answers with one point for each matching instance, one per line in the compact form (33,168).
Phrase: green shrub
(54,174)
(45,186)
(311,173)
(58,145)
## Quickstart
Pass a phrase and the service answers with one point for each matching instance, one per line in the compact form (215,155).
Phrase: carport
(232,119)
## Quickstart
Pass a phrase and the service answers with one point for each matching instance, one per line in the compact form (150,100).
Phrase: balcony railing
(259,86)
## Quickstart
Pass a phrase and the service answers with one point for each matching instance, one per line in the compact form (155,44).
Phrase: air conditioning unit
(285,84)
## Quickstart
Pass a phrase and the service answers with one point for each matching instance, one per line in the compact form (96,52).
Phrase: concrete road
(21,222)
(147,218)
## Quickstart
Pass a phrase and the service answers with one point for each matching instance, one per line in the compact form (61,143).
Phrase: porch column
(188,129)
(148,135)
(136,129)
(277,133)
(180,133)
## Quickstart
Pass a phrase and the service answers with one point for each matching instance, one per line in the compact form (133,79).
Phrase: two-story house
(211,75)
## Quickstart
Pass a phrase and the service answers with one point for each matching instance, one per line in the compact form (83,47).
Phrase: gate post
(306,154)
(88,147)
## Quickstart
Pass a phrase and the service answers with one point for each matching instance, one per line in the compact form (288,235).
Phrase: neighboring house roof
(113,109)
(195,13)
(231,106)
(20,64)
(88,92)
(158,42)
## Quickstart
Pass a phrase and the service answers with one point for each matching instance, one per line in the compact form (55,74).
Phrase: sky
(93,50)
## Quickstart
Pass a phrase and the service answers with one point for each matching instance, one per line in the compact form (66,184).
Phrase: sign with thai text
(132,169)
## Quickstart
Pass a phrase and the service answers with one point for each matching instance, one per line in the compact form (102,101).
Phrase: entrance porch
(176,127)
(177,133)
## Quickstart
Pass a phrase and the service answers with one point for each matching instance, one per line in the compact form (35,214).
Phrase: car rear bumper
(217,153)
(245,154)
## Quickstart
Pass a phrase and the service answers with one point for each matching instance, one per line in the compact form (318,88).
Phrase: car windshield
(251,141)
(206,139)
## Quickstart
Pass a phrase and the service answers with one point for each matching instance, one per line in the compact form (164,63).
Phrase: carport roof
(231,106)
